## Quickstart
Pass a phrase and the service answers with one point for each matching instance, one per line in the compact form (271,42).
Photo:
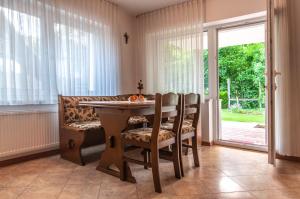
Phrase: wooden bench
(80,127)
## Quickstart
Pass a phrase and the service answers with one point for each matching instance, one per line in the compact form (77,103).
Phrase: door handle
(276,73)
(267,87)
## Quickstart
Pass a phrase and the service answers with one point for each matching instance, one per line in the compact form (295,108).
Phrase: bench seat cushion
(86,125)
(144,135)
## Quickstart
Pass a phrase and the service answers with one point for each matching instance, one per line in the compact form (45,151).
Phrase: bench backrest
(70,111)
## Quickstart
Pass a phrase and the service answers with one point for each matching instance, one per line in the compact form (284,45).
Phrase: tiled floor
(243,132)
(224,173)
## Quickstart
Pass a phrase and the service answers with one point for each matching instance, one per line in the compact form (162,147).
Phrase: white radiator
(27,132)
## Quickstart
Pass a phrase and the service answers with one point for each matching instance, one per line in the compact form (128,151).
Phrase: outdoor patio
(243,132)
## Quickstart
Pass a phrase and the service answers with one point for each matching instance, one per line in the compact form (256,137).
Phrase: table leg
(113,125)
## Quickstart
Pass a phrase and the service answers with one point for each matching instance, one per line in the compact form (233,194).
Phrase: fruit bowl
(136,98)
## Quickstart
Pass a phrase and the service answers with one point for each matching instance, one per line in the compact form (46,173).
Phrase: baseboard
(204,143)
(289,158)
(29,157)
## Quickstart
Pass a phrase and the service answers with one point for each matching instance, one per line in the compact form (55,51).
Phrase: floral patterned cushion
(137,120)
(186,126)
(74,113)
(71,115)
(188,122)
(87,114)
(144,135)
(85,125)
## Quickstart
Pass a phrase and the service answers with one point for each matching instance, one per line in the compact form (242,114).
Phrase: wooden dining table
(114,116)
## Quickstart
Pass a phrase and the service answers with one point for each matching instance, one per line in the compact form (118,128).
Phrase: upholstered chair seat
(186,126)
(144,135)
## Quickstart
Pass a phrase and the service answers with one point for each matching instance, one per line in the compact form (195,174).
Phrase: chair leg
(186,152)
(180,158)
(149,157)
(176,161)
(155,170)
(195,151)
(146,160)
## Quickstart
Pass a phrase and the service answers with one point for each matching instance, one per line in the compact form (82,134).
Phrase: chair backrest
(191,107)
(167,105)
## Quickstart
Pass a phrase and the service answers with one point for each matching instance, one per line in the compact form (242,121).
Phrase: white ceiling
(136,7)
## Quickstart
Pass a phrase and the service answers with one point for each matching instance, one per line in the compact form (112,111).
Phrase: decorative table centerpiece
(139,97)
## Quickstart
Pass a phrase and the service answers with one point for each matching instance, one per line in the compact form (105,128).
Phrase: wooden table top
(118,104)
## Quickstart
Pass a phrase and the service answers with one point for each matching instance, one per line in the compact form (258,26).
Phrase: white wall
(223,9)
(128,81)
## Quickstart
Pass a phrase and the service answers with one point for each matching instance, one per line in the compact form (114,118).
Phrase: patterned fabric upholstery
(85,125)
(186,126)
(74,113)
(71,115)
(144,135)
(137,120)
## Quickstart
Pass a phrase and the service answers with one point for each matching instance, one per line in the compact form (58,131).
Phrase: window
(46,50)
(24,74)
(175,61)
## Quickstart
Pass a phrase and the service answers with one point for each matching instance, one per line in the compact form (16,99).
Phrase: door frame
(271,85)
(212,30)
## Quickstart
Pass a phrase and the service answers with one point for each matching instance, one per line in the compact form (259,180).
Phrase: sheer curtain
(54,46)
(287,61)
(27,68)
(86,47)
(169,48)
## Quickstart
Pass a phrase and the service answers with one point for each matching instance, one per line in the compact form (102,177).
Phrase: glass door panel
(241,61)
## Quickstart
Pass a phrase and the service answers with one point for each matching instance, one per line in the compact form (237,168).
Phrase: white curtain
(169,48)
(55,46)
(287,61)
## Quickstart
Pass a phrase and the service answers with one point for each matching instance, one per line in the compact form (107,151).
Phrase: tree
(244,65)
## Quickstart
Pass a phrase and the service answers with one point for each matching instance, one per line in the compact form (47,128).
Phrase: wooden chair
(153,139)
(190,126)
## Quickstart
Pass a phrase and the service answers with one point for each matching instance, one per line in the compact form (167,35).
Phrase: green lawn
(255,116)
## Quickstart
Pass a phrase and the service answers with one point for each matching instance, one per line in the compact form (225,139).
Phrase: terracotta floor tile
(183,188)
(80,191)
(201,173)
(233,195)
(223,184)
(145,190)
(259,182)
(47,192)
(118,191)
(10,193)
(19,180)
(224,173)
(278,194)
(47,179)
(92,177)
